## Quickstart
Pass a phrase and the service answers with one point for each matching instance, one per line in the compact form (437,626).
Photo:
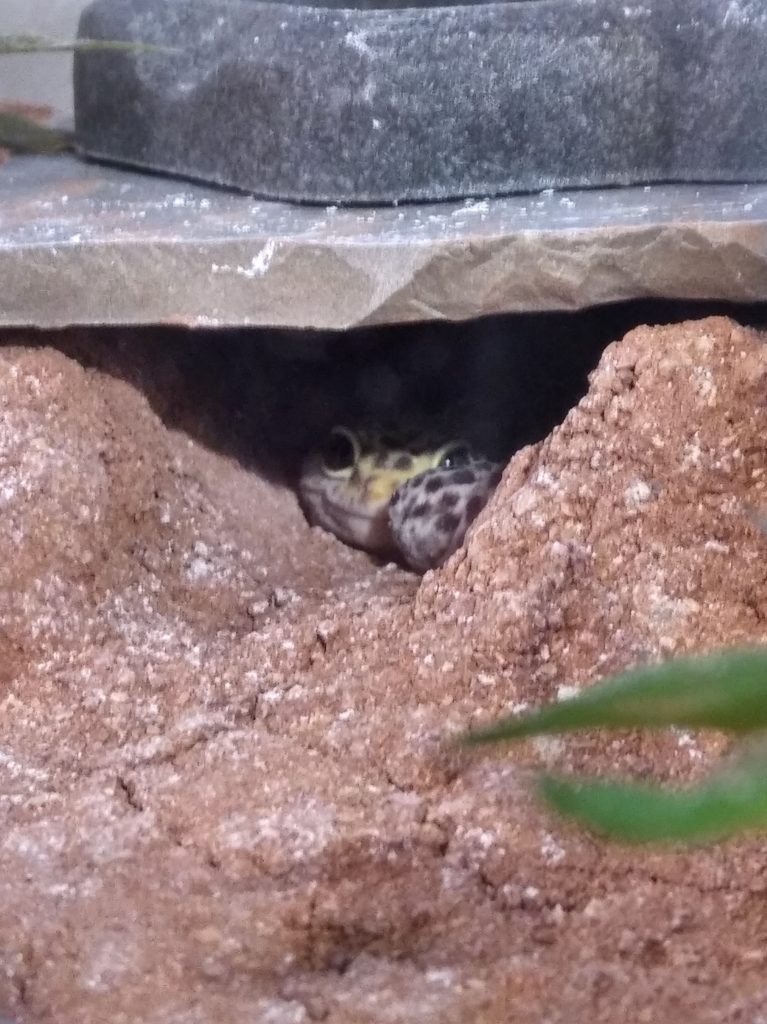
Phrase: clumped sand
(224,790)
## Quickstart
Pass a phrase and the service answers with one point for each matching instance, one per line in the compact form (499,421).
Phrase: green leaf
(23,135)
(725,691)
(731,801)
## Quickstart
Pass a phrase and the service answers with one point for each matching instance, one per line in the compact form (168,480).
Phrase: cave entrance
(266,399)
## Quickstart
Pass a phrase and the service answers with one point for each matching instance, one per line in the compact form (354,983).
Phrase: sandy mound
(224,794)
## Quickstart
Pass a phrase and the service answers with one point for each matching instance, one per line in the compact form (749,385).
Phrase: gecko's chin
(365,528)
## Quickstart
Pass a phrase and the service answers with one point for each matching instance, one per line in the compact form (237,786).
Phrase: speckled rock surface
(322,104)
(224,795)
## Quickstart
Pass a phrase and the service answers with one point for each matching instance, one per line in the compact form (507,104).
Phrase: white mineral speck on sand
(565,692)
(637,492)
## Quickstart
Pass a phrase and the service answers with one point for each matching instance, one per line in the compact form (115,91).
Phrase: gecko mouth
(365,527)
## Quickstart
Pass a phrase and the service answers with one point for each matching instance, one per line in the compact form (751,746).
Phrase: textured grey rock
(83,244)
(317,104)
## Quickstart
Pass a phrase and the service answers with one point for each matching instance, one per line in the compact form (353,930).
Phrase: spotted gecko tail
(430,513)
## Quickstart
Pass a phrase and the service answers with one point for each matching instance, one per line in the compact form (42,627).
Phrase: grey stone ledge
(86,244)
(312,103)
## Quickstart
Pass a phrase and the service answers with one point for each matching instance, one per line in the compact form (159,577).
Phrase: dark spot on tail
(448,500)
(449,522)
(434,483)
(420,510)
(464,476)
(474,506)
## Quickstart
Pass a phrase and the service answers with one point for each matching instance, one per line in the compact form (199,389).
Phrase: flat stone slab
(86,244)
(421,102)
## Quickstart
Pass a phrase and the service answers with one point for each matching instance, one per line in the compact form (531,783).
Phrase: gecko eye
(458,454)
(340,451)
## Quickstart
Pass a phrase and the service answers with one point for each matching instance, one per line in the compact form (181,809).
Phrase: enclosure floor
(225,791)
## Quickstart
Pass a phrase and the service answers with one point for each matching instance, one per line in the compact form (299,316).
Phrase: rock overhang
(82,243)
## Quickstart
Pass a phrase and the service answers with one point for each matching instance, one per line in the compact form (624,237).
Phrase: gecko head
(347,484)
